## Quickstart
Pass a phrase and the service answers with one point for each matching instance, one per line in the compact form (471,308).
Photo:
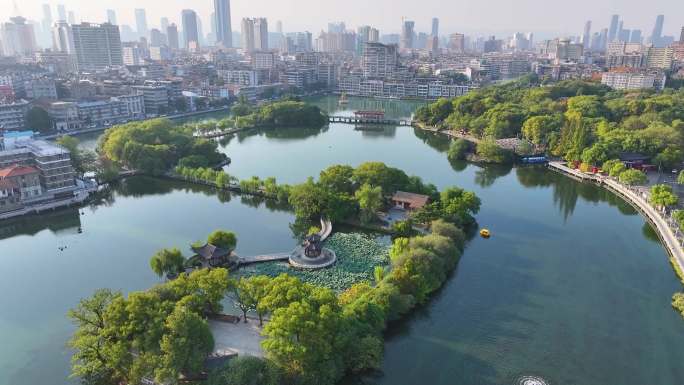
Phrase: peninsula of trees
(579,121)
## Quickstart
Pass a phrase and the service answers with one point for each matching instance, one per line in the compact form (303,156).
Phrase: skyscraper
(261,34)
(46,25)
(141,22)
(279,27)
(190,31)
(62,39)
(164,23)
(435,26)
(379,60)
(586,35)
(224,29)
(406,40)
(635,36)
(613,30)
(18,37)
(457,42)
(71,18)
(96,46)
(681,36)
(656,35)
(111,17)
(172,36)
(61,12)
(247,32)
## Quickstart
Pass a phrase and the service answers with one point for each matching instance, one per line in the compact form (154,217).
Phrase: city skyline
(470,17)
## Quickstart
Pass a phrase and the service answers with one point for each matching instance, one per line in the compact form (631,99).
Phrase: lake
(572,287)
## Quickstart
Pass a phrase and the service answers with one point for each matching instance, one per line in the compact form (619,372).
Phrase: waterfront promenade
(673,244)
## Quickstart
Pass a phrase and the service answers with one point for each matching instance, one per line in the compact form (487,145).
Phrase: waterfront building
(224,30)
(155,99)
(53,162)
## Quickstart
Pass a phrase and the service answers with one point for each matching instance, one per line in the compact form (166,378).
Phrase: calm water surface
(572,287)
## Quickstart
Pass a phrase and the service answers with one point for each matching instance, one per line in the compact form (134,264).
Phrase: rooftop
(415,200)
(14,171)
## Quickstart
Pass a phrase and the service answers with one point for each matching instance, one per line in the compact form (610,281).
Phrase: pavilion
(409,201)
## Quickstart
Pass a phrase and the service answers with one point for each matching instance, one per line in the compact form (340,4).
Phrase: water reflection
(374,130)
(392,108)
(61,221)
(566,191)
(439,142)
(486,176)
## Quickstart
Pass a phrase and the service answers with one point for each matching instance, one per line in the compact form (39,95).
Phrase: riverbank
(80,196)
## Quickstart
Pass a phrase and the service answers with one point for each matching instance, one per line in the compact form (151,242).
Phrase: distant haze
(544,17)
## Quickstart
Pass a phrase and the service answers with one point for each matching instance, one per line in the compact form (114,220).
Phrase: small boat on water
(485,233)
(343,99)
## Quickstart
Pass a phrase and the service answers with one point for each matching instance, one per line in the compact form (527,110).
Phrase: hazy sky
(471,16)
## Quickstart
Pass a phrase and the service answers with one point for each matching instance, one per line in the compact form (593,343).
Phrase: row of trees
(155,146)
(577,120)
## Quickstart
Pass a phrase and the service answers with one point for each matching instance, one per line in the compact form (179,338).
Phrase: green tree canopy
(223,239)
(370,201)
(632,177)
(662,196)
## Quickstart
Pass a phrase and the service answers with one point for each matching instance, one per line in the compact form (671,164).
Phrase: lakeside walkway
(673,244)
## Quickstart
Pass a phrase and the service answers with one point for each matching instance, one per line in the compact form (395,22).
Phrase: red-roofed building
(409,201)
(26,179)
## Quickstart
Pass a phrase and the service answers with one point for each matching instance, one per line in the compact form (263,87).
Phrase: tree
(669,158)
(247,370)
(459,206)
(378,274)
(38,119)
(679,217)
(185,346)
(632,177)
(306,337)
(617,169)
(458,150)
(370,201)
(167,261)
(223,239)
(92,356)
(662,196)
(680,178)
(337,178)
(489,151)
(539,128)
(81,160)
(249,292)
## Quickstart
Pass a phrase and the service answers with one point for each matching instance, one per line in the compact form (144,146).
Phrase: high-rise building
(247,32)
(279,27)
(379,60)
(141,22)
(62,38)
(164,24)
(635,36)
(337,27)
(435,26)
(157,38)
(586,35)
(172,36)
(71,18)
(111,17)
(407,33)
(657,34)
(681,36)
(613,30)
(61,12)
(254,34)
(18,37)
(224,29)
(261,34)
(190,31)
(457,42)
(96,46)
(46,26)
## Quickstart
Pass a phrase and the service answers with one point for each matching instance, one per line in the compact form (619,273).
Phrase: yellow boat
(484,233)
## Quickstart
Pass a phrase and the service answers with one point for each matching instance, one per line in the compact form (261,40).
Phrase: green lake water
(572,287)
